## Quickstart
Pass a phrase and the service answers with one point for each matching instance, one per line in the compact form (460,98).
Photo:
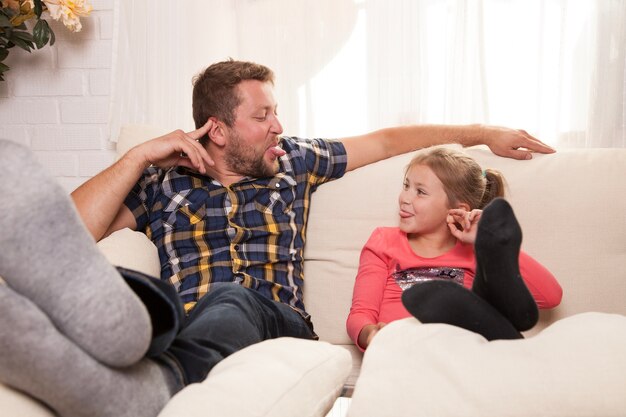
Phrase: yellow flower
(23,9)
(69,12)
(11,4)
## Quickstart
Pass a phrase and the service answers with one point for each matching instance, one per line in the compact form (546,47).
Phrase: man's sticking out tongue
(277,151)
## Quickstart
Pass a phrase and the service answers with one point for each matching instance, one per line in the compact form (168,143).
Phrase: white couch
(572,208)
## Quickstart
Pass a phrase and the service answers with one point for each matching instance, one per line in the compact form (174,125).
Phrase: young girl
(416,268)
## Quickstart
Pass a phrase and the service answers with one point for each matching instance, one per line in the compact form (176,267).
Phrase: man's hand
(511,143)
(175,149)
(463,224)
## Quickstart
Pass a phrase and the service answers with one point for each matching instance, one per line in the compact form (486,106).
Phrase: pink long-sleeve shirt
(376,296)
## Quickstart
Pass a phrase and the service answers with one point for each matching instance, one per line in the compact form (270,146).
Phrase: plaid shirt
(251,233)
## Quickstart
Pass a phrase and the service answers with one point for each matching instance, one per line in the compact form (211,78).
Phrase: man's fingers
(194,152)
(516,144)
(518,154)
(192,148)
(185,162)
(534,144)
(201,131)
(197,134)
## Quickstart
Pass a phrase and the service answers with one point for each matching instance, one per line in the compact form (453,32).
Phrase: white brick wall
(55,100)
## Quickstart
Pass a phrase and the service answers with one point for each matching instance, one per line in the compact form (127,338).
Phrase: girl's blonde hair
(464,181)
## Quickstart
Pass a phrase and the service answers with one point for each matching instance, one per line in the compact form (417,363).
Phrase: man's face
(252,146)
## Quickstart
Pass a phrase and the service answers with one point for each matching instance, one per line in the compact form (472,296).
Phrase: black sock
(447,302)
(498,279)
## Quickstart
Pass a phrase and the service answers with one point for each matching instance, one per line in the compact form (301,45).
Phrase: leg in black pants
(499,305)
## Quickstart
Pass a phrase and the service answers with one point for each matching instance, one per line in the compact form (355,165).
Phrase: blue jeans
(227,319)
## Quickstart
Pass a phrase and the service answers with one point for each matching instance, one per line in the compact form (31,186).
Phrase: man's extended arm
(100,201)
(385,143)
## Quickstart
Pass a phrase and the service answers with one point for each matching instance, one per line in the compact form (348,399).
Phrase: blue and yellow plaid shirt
(251,233)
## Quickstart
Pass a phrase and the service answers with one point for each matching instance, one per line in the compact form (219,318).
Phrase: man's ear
(217,133)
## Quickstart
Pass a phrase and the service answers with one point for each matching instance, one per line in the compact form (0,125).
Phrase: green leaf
(41,34)
(3,67)
(4,21)
(38,8)
(3,54)
(25,45)
(52,37)
(25,36)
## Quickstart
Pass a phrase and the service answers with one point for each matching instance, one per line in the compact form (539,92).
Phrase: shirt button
(277,185)
(236,247)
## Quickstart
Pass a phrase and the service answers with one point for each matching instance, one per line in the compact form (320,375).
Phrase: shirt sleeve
(141,198)
(543,286)
(325,159)
(369,287)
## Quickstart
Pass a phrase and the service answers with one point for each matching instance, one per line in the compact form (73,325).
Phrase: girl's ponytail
(494,186)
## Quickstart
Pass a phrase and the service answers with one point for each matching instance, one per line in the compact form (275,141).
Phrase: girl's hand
(368,332)
(463,224)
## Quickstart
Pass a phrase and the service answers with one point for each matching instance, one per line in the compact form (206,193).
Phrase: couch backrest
(571,206)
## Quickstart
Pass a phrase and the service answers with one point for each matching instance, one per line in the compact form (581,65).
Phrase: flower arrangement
(14,32)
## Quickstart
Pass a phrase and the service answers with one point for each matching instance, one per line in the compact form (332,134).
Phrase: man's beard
(244,160)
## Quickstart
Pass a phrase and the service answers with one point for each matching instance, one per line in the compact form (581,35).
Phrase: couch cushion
(133,134)
(282,377)
(131,250)
(575,367)
(15,403)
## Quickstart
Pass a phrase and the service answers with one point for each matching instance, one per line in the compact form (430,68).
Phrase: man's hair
(215,89)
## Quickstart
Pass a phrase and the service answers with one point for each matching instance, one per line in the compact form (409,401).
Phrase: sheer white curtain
(553,67)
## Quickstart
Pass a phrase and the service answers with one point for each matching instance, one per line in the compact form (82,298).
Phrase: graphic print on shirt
(406,278)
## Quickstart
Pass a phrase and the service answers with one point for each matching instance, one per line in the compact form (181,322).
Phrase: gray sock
(48,256)
(37,359)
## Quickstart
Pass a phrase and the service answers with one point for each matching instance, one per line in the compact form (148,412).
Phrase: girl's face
(423,202)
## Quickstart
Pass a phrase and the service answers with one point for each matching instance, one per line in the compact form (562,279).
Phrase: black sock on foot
(450,303)
(498,279)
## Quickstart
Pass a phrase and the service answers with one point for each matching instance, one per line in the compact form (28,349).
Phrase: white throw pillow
(282,377)
(15,403)
(575,367)
(131,250)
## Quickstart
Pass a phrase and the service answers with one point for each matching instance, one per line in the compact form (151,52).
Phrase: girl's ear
(217,132)
(464,206)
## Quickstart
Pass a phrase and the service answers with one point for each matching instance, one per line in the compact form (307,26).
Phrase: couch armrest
(16,403)
(131,250)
